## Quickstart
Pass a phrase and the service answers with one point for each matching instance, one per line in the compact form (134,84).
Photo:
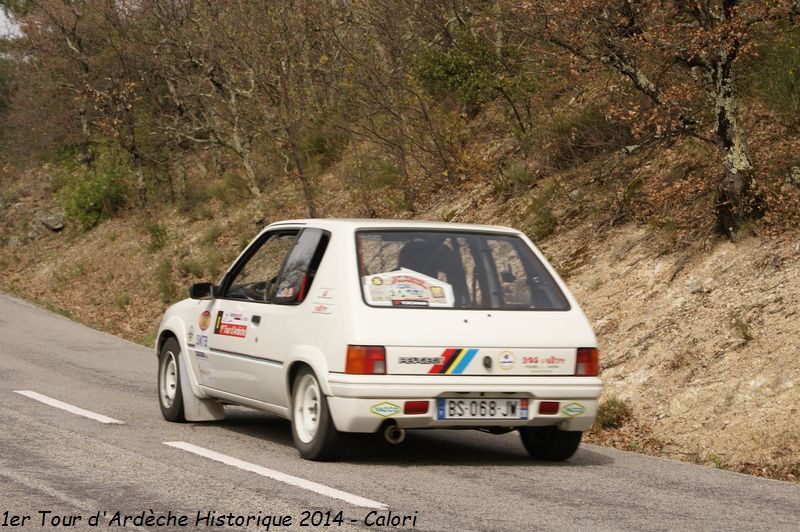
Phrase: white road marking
(355,500)
(69,408)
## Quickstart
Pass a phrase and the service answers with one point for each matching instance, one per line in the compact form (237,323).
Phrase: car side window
(301,267)
(255,280)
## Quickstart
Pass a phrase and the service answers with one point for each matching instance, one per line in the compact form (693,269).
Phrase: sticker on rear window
(407,288)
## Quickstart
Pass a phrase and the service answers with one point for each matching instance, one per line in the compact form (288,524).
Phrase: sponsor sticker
(230,329)
(286,292)
(385,409)
(201,340)
(321,308)
(407,288)
(326,293)
(231,324)
(542,364)
(190,335)
(505,360)
(573,409)
(204,321)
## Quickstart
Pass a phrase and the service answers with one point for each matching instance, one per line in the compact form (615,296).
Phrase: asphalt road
(55,461)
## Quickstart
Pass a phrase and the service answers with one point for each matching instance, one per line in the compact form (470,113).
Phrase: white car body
(258,347)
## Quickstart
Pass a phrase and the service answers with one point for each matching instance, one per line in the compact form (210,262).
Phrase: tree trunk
(409,197)
(305,182)
(735,201)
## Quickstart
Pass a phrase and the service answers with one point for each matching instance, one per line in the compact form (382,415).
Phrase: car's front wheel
(549,443)
(170,398)
(313,431)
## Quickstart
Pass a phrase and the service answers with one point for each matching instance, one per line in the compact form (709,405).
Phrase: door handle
(256,319)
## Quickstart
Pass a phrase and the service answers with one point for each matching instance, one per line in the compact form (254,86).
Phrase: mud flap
(194,408)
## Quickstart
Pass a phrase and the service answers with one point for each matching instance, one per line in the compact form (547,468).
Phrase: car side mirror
(202,291)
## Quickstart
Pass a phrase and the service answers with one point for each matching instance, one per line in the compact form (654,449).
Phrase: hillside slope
(701,342)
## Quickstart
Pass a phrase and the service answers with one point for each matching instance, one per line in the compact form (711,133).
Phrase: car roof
(353,224)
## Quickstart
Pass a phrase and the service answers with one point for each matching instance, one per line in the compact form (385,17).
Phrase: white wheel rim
(307,406)
(169,379)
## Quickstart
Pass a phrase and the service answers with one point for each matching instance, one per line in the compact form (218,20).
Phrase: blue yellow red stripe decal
(454,361)
(448,356)
(463,361)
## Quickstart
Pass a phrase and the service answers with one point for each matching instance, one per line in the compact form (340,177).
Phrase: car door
(238,363)
(247,348)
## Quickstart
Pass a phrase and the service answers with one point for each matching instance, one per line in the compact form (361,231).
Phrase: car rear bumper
(356,398)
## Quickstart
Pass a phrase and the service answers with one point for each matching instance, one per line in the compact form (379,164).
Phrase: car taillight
(588,362)
(366,360)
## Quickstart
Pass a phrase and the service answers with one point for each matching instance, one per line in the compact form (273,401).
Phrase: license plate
(482,409)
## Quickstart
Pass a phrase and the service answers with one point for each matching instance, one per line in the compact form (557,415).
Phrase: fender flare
(312,357)
(174,326)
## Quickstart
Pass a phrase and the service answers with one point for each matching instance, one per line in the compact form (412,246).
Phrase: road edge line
(286,478)
(69,408)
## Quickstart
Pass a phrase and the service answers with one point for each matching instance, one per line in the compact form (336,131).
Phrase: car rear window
(446,270)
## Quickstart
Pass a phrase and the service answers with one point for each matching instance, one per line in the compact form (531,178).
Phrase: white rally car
(348,326)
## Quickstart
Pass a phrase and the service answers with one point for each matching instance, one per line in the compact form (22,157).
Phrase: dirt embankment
(702,343)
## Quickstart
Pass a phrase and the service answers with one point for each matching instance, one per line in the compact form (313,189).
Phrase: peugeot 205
(364,326)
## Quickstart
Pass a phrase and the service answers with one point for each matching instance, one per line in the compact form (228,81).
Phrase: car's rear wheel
(170,398)
(313,431)
(549,443)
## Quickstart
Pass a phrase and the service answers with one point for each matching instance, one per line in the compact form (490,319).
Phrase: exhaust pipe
(394,434)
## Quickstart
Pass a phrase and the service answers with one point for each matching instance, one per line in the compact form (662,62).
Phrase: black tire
(549,443)
(170,396)
(313,431)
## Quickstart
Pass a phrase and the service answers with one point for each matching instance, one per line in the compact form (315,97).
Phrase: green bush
(471,68)
(122,300)
(517,178)
(323,146)
(210,235)
(166,288)
(214,263)
(90,195)
(158,236)
(612,413)
(775,79)
(541,220)
(190,267)
(578,136)
(228,190)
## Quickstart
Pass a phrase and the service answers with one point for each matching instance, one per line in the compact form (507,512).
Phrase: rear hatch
(465,303)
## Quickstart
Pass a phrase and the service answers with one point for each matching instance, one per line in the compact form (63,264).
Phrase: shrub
(158,236)
(211,235)
(612,413)
(541,220)
(775,79)
(166,288)
(578,136)
(89,198)
(472,69)
(228,191)
(517,178)
(190,267)
(90,195)
(742,328)
(214,263)
(322,146)
(122,300)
